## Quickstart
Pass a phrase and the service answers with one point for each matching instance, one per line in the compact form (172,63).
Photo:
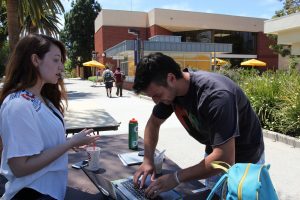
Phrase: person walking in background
(108,78)
(32,129)
(213,110)
(119,77)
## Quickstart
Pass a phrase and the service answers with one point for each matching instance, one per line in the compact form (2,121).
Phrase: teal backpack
(244,181)
(108,76)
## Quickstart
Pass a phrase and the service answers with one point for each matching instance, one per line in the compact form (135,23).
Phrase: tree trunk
(13,23)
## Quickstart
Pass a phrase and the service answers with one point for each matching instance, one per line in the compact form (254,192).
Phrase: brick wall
(264,53)
(157,30)
(109,36)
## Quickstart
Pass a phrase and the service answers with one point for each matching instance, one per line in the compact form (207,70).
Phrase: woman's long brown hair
(20,73)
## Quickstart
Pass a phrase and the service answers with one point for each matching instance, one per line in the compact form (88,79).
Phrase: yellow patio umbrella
(94,63)
(254,63)
(219,61)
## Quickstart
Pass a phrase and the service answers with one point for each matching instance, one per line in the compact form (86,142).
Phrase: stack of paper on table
(131,158)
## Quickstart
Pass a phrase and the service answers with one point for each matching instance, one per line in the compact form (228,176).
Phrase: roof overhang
(178,20)
(288,30)
(187,47)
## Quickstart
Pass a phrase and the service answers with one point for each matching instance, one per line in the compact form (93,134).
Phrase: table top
(113,169)
(81,187)
(97,119)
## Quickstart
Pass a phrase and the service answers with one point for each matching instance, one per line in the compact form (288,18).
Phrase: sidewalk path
(180,147)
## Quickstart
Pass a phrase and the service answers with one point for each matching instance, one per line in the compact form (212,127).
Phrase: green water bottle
(133,134)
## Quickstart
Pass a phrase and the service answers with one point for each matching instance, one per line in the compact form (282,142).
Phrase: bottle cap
(133,120)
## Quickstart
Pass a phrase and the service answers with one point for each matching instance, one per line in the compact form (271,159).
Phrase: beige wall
(121,18)
(296,48)
(289,36)
(279,24)
(283,63)
(175,20)
(288,30)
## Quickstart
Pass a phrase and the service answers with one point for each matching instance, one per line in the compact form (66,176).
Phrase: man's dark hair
(154,68)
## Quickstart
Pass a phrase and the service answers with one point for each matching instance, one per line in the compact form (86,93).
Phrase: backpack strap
(220,165)
(223,166)
(218,184)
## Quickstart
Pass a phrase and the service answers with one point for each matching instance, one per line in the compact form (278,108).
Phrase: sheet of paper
(131,158)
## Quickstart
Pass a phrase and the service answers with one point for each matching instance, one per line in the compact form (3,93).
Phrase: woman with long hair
(34,156)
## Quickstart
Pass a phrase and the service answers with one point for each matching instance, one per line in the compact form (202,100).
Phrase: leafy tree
(78,32)
(18,12)
(3,24)
(48,25)
(3,57)
(3,38)
(289,7)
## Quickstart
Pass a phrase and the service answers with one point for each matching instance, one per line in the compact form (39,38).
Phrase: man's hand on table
(161,184)
(146,168)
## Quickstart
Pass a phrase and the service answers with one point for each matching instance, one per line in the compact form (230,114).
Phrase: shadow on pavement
(79,95)
(68,83)
(97,86)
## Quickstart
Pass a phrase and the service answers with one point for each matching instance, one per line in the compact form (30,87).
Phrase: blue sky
(249,8)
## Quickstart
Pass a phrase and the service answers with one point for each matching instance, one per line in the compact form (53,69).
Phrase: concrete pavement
(180,147)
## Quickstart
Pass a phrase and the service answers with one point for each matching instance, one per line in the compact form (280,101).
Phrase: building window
(124,66)
(204,36)
(242,42)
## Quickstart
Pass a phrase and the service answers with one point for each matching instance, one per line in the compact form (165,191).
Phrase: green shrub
(262,92)
(275,97)
(287,118)
(93,78)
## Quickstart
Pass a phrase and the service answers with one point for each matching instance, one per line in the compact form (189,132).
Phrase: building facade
(287,28)
(193,39)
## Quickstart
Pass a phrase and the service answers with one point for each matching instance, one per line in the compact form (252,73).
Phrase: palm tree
(12,22)
(3,25)
(19,11)
(48,25)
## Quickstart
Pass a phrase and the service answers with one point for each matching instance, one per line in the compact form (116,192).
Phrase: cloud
(209,11)
(242,14)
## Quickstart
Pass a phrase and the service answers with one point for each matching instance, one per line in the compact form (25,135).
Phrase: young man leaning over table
(213,110)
